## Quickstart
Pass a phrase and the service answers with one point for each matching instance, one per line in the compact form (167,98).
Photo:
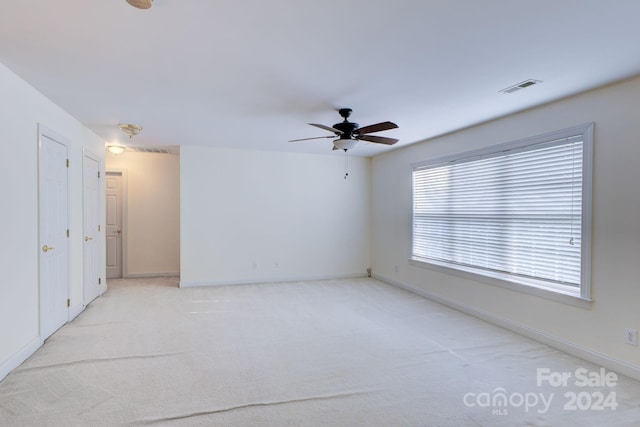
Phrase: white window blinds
(516,211)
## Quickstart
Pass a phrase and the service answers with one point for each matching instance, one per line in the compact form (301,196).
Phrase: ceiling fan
(350,133)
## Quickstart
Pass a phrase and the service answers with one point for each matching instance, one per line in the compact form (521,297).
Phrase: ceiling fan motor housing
(347,128)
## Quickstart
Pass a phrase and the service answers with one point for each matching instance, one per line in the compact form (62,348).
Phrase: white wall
(250,216)
(153,212)
(22,108)
(616,228)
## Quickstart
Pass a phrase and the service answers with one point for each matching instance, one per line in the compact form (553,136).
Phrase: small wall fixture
(141,4)
(115,149)
(129,129)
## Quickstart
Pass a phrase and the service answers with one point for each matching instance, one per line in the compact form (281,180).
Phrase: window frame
(578,296)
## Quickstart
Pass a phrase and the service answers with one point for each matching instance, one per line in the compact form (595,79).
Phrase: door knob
(87,238)
(46,248)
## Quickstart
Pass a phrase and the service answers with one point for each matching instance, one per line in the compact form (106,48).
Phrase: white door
(113,226)
(54,243)
(91,218)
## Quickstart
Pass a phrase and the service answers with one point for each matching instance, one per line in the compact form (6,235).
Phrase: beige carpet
(327,353)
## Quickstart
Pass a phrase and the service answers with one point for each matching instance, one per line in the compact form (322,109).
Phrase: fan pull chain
(346,165)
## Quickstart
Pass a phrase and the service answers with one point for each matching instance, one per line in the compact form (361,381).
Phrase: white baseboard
(75,311)
(143,275)
(205,283)
(17,358)
(603,360)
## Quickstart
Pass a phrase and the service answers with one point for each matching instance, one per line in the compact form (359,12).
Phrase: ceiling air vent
(521,85)
(148,150)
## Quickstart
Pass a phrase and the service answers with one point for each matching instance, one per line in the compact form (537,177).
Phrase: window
(518,212)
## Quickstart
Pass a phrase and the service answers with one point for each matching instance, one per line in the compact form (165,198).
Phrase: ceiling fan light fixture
(141,4)
(345,144)
(130,129)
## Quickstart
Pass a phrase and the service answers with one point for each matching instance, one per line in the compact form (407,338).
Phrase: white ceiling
(251,74)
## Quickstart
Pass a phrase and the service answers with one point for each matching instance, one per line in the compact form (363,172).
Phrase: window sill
(505,281)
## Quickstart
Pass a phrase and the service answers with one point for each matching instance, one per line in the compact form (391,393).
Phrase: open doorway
(143,213)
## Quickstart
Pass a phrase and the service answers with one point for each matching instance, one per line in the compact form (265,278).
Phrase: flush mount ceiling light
(129,129)
(141,4)
(115,149)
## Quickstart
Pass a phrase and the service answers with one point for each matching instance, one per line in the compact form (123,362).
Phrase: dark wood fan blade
(330,129)
(378,139)
(317,137)
(378,127)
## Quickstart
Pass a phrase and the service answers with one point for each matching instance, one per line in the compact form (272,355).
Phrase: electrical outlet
(631,336)
(395,268)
